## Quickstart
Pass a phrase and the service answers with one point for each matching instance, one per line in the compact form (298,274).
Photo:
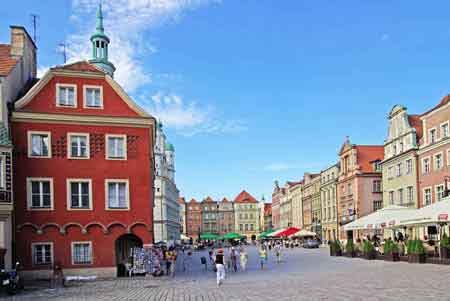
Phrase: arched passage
(123,246)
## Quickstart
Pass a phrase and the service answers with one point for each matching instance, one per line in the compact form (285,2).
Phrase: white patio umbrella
(386,217)
(303,233)
(431,214)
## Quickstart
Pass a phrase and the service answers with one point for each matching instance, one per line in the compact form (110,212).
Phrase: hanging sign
(443,217)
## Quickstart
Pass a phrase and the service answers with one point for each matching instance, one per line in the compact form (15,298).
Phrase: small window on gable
(93,96)
(66,95)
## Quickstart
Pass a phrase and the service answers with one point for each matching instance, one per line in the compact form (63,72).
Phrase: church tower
(100,42)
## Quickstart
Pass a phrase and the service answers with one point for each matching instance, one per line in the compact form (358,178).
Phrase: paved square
(303,275)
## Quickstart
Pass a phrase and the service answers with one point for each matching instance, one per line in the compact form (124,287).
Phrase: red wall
(138,169)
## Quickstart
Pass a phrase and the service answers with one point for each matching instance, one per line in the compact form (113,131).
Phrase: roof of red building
(267,208)
(367,154)
(82,66)
(416,122)
(291,184)
(7,62)
(193,201)
(444,101)
(181,201)
(208,200)
(245,197)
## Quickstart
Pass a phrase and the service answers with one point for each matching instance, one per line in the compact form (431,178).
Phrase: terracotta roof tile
(208,200)
(225,200)
(79,66)
(193,201)
(245,197)
(444,101)
(416,122)
(7,63)
(367,154)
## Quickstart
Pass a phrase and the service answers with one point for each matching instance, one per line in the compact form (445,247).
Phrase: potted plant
(391,251)
(445,246)
(350,250)
(369,250)
(416,252)
(335,248)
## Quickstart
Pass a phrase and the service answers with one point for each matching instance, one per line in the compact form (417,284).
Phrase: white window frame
(124,137)
(398,169)
(85,105)
(29,191)
(60,85)
(423,165)
(127,194)
(429,135)
(391,200)
(33,244)
(30,134)
(69,194)
(436,191)
(424,195)
(434,160)
(72,252)
(69,146)
(441,136)
(409,170)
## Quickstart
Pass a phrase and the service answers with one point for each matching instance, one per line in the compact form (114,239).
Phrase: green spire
(99,23)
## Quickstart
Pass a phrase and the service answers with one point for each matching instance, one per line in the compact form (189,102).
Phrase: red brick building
(84,170)
(193,219)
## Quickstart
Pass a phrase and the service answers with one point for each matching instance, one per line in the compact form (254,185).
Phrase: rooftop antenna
(34,24)
(62,50)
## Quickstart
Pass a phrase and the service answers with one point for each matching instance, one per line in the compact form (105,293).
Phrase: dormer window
(93,96)
(66,95)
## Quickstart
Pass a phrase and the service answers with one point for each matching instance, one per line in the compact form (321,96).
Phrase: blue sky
(258,90)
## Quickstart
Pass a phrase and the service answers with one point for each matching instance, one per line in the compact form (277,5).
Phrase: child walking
(262,256)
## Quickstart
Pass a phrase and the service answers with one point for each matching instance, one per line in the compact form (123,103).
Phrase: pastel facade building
(182,219)
(193,219)
(17,73)
(296,192)
(358,192)
(328,198)
(276,196)
(285,208)
(246,215)
(84,171)
(400,169)
(311,193)
(209,216)
(434,153)
(225,217)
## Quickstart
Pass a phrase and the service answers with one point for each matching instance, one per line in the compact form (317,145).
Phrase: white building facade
(166,211)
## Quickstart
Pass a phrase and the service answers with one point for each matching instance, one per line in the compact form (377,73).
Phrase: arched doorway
(124,244)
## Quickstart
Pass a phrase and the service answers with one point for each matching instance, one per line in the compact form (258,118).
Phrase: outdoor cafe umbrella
(274,233)
(208,236)
(232,235)
(289,231)
(303,233)
(266,233)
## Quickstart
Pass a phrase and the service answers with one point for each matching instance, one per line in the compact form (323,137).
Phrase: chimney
(22,46)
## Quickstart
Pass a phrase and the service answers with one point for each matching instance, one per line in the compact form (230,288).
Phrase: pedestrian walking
(234,259)
(173,261)
(277,250)
(262,256)
(187,263)
(220,267)
(243,256)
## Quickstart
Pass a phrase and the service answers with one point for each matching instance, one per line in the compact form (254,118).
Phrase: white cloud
(125,23)
(188,118)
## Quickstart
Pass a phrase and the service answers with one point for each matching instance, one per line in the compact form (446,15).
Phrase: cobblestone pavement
(303,275)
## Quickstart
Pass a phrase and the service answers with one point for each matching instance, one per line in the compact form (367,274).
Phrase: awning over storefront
(287,232)
(232,235)
(387,217)
(209,236)
(432,214)
(303,233)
